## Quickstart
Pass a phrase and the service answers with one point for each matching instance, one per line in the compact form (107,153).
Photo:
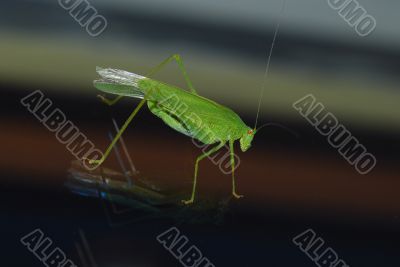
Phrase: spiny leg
(233,170)
(177,59)
(205,154)
(110,147)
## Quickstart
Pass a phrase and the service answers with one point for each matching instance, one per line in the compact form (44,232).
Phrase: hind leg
(156,69)
(114,141)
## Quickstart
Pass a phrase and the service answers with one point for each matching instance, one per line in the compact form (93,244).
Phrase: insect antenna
(280,126)
(268,62)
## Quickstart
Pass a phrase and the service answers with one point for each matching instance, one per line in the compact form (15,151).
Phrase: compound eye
(250,132)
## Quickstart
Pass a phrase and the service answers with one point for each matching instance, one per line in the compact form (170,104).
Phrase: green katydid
(214,123)
(223,124)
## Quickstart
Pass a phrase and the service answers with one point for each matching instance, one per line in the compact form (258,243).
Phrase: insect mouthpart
(245,140)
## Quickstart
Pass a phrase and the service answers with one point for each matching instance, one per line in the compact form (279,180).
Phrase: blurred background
(290,183)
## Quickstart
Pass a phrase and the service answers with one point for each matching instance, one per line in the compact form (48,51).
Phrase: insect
(193,115)
(200,118)
(196,116)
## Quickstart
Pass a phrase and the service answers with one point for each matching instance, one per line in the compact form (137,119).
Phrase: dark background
(290,184)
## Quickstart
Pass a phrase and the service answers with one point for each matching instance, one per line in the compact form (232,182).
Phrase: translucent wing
(119,82)
(117,76)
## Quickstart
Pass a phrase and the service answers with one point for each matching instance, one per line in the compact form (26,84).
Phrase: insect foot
(236,195)
(95,162)
(187,202)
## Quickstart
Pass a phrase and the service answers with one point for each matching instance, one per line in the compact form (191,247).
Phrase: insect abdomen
(201,118)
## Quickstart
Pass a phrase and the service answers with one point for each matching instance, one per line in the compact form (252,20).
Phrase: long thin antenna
(280,126)
(269,61)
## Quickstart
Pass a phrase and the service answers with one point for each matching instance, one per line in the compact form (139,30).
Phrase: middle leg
(205,154)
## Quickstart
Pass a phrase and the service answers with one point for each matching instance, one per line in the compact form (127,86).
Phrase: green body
(186,112)
(191,114)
